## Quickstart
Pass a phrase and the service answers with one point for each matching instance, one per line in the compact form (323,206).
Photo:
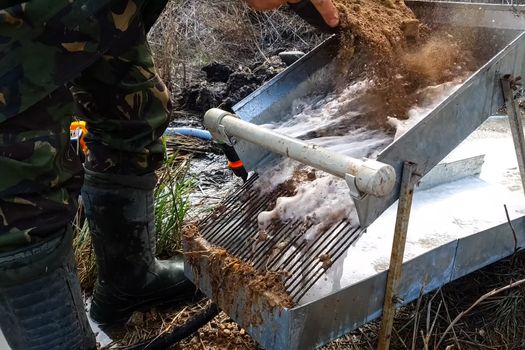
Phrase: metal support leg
(408,182)
(516,125)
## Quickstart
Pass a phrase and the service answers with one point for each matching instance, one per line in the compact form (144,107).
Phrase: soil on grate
(230,278)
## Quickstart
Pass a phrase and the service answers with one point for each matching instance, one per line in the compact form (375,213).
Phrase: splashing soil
(433,61)
(384,42)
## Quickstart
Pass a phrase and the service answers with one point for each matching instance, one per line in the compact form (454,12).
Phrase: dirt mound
(383,26)
(383,41)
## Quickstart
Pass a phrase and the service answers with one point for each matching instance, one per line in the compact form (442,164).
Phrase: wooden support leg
(516,125)
(408,182)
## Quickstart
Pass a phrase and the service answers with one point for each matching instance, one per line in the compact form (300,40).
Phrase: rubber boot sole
(106,314)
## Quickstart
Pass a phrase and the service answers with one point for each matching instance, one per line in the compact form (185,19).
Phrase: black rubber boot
(120,213)
(41,306)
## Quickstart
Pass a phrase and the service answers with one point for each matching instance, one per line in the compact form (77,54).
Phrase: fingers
(326,8)
(328,11)
(262,5)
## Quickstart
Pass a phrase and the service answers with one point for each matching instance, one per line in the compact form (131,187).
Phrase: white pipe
(371,177)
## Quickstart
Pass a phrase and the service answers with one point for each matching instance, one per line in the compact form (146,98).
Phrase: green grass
(171,205)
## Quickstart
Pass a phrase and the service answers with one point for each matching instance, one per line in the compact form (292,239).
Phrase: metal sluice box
(322,313)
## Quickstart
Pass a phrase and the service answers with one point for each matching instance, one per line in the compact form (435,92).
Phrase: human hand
(263,5)
(325,8)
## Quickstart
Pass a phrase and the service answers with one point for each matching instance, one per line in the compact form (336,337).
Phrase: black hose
(179,333)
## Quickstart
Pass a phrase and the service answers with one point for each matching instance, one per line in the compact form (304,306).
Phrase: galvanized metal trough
(327,310)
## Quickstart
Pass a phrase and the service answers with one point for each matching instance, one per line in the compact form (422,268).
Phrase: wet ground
(213,182)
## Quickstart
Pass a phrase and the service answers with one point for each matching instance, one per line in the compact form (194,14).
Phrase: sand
(382,26)
(232,278)
(383,41)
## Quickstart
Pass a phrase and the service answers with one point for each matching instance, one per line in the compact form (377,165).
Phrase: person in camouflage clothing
(88,58)
(99,49)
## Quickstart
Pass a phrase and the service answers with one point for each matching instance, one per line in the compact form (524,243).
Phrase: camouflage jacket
(37,37)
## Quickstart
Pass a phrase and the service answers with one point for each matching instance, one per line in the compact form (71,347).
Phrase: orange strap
(235,165)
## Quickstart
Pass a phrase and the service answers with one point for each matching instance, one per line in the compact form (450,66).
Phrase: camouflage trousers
(60,58)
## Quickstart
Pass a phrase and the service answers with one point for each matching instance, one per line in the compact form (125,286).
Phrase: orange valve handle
(235,165)
(78,131)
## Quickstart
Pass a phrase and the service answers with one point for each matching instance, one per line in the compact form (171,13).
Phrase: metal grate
(282,248)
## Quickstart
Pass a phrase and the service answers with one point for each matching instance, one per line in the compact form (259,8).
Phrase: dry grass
(185,145)
(498,322)
(220,333)
(84,254)
(193,33)
(495,322)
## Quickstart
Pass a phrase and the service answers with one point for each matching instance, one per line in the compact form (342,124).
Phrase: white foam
(3,342)
(442,214)
(330,122)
